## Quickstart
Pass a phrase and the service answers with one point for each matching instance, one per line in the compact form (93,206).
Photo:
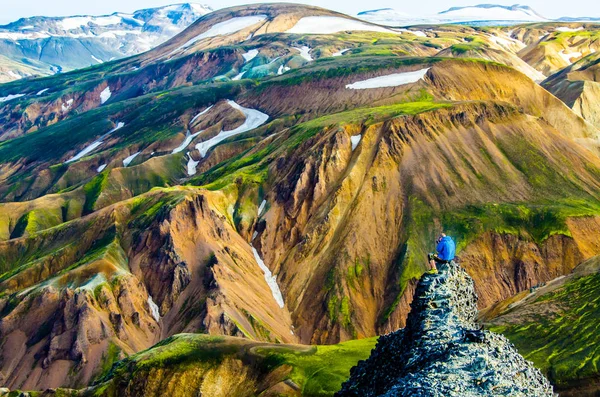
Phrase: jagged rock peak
(438,355)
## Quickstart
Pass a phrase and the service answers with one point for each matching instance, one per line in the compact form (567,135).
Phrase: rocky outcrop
(441,352)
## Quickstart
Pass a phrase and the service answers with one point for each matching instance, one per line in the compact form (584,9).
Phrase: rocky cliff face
(441,353)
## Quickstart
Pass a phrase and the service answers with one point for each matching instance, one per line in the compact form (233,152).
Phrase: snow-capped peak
(492,12)
(480,14)
(105,37)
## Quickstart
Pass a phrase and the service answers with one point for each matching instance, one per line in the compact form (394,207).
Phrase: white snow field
(418,33)
(269,278)
(42,91)
(282,69)
(391,80)
(91,147)
(262,207)
(105,95)
(355,139)
(226,27)
(200,114)
(101,168)
(153,308)
(191,165)
(238,76)
(254,119)
(328,24)
(129,159)
(341,52)
(67,106)
(304,52)
(567,29)
(88,149)
(188,139)
(250,55)
(10,97)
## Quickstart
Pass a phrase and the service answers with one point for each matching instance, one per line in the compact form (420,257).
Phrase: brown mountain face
(125,223)
(95,277)
(578,86)
(560,46)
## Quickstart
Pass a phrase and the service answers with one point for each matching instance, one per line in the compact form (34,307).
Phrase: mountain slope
(537,320)
(47,45)
(578,86)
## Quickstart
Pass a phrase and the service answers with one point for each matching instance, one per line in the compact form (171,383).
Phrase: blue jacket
(446,248)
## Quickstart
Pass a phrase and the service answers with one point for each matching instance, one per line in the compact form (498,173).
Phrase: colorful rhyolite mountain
(193,218)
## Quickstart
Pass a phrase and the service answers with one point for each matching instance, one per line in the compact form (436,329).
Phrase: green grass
(473,43)
(531,221)
(564,344)
(322,371)
(175,352)
(319,370)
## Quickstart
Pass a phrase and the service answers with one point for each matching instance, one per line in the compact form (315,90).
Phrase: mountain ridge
(84,40)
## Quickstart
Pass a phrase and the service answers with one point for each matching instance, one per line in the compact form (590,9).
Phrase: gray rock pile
(441,352)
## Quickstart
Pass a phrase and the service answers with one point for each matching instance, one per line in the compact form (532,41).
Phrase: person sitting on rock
(445,251)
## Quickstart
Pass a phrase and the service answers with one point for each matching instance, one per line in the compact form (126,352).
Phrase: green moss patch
(564,342)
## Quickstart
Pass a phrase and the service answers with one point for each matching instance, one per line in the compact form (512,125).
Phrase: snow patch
(191,165)
(101,168)
(418,33)
(567,29)
(254,235)
(239,76)
(129,159)
(269,278)
(74,22)
(153,308)
(282,69)
(304,52)
(14,75)
(105,95)
(254,119)
(341,52)
(97,60)
(67,106)
(88,149)
(250,55)
(93,282)
(200,114)
(10,97)
(42,91)
(188,139)
(391,80)
(226,27)
(355,139)
(328,25)
(262,207)
(91,147)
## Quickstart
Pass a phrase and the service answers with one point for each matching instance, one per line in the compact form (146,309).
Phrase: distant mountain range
(482,14)
(47,45)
